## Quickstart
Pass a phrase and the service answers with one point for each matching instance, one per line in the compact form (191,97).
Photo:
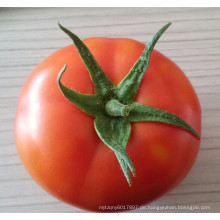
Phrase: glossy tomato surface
(60,149)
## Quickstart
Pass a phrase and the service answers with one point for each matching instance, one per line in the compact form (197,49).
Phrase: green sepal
(90,104)
(101,82)
(127,88)
(115,132)
(140,112)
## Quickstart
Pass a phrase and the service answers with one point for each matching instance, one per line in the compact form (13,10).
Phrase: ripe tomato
(60,149)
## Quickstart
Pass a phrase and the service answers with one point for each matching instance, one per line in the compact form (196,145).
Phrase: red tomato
(60,149)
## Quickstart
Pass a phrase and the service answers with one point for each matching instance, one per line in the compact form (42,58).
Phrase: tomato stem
(114,108)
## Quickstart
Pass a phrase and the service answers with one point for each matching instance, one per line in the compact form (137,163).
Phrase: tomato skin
(60,149)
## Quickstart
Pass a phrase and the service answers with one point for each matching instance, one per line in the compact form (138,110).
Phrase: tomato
(61,151)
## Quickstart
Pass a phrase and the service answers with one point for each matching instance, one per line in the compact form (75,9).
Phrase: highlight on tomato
(108,122)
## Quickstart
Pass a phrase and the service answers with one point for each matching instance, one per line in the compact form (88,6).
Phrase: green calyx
(113,107)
